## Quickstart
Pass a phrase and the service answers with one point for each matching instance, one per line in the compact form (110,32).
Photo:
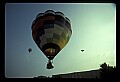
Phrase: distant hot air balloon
(82,50)
(51,31)
(30,50)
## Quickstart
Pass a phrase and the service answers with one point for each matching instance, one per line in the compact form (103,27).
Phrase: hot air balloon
(30,50)
(82,50)
(51,32)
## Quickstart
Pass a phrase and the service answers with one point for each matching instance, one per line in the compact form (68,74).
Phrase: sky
(93,29)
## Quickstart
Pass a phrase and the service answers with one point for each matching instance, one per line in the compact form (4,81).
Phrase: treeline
(108,72)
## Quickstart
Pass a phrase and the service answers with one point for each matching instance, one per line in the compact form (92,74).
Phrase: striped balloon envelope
(51,31)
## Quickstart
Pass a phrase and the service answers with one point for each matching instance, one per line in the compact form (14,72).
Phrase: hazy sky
(93,29)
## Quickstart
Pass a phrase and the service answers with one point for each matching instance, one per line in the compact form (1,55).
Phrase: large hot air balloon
(51,31)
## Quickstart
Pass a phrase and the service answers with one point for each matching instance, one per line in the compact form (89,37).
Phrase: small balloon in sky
(30,50)
(82,50)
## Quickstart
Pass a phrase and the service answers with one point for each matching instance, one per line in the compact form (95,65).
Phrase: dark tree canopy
(107,72)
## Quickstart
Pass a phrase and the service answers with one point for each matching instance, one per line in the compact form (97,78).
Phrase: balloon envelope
(51,31)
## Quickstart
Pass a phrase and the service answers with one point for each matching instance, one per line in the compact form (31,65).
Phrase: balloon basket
(50,64)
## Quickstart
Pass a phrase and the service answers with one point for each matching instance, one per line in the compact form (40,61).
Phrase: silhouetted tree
(107,72)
